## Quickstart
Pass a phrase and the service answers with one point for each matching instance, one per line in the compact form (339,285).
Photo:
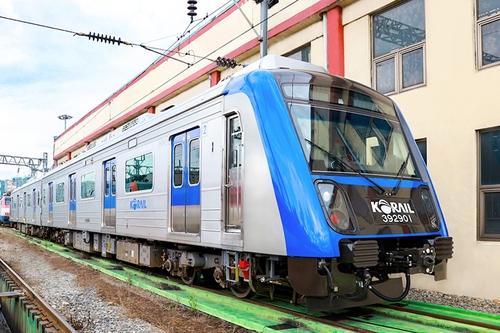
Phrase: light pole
(64,117)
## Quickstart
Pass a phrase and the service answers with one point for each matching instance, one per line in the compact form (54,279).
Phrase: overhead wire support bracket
(34,163)
(246,18)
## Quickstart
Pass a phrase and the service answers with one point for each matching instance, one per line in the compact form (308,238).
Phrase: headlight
(430,209)
(336,206)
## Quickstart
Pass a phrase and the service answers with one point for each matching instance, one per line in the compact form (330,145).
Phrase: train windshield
(342,132)
(7,200)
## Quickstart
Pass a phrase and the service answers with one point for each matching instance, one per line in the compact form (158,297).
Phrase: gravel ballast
(463,302)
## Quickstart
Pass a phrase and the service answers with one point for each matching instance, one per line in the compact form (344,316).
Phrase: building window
(489,184)
(488,30)
(399,47)
(303,53)
(139,173)
(422,146)
(87,185)
(194,162)
(60,192)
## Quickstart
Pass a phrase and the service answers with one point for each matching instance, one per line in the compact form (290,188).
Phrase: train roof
(270,62)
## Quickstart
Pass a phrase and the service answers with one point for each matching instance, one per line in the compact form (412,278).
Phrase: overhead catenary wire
(92,36)
(208,55)
(170,49)
(39,25)
(188,31)
(200,57)
(178,35)
(114,40)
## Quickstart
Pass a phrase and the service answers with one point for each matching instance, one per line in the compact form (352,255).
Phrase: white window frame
(398,58)
(480,22)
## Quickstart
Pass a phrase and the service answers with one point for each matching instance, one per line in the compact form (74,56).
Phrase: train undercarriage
(367,272)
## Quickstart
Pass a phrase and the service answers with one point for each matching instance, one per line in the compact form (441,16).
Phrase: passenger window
(178,167)
(51,192)
(235,143)
(113,179)
(138,173)
(60,192)
(106,181)
(194,162)
(87,185)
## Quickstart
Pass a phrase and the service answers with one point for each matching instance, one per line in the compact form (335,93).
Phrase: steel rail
(47,311)
(476,323)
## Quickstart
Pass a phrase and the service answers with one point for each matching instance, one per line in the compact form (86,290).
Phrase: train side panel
(262,226)
(89,205)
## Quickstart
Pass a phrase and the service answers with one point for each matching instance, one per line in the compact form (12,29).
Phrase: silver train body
(212,184)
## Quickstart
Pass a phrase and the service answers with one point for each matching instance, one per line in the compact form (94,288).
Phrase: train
(5,208)
(280,177)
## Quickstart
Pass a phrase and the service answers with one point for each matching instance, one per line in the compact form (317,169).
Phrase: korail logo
(386,207)
(138,204)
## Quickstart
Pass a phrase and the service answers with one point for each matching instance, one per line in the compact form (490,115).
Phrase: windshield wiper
(399,175)
(375,186)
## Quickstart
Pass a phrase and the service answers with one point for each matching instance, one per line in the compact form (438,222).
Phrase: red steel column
(214,78)
(335,41)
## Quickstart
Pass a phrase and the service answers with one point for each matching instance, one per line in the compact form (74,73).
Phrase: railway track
(262,315)
(23,309)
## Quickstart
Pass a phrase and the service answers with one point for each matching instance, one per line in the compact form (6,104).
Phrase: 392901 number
(396,218)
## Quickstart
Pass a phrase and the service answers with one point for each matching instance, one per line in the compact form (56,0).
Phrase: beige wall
(456,101)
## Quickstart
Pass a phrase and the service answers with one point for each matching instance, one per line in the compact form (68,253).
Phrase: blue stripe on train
(306,232)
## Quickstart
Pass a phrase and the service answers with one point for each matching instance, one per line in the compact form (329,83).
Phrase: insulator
(224,62)
(104,38)
(192,8)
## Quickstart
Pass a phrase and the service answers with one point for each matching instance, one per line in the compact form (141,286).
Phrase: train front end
(358,208)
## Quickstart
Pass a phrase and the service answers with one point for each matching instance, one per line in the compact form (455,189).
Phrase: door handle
(228,185)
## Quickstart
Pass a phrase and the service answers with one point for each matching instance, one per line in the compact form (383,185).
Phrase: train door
(72,199)
(34,205)
(24,206)
(109,201)
(185,182)
(51,203)
(43,205)
(233,184)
